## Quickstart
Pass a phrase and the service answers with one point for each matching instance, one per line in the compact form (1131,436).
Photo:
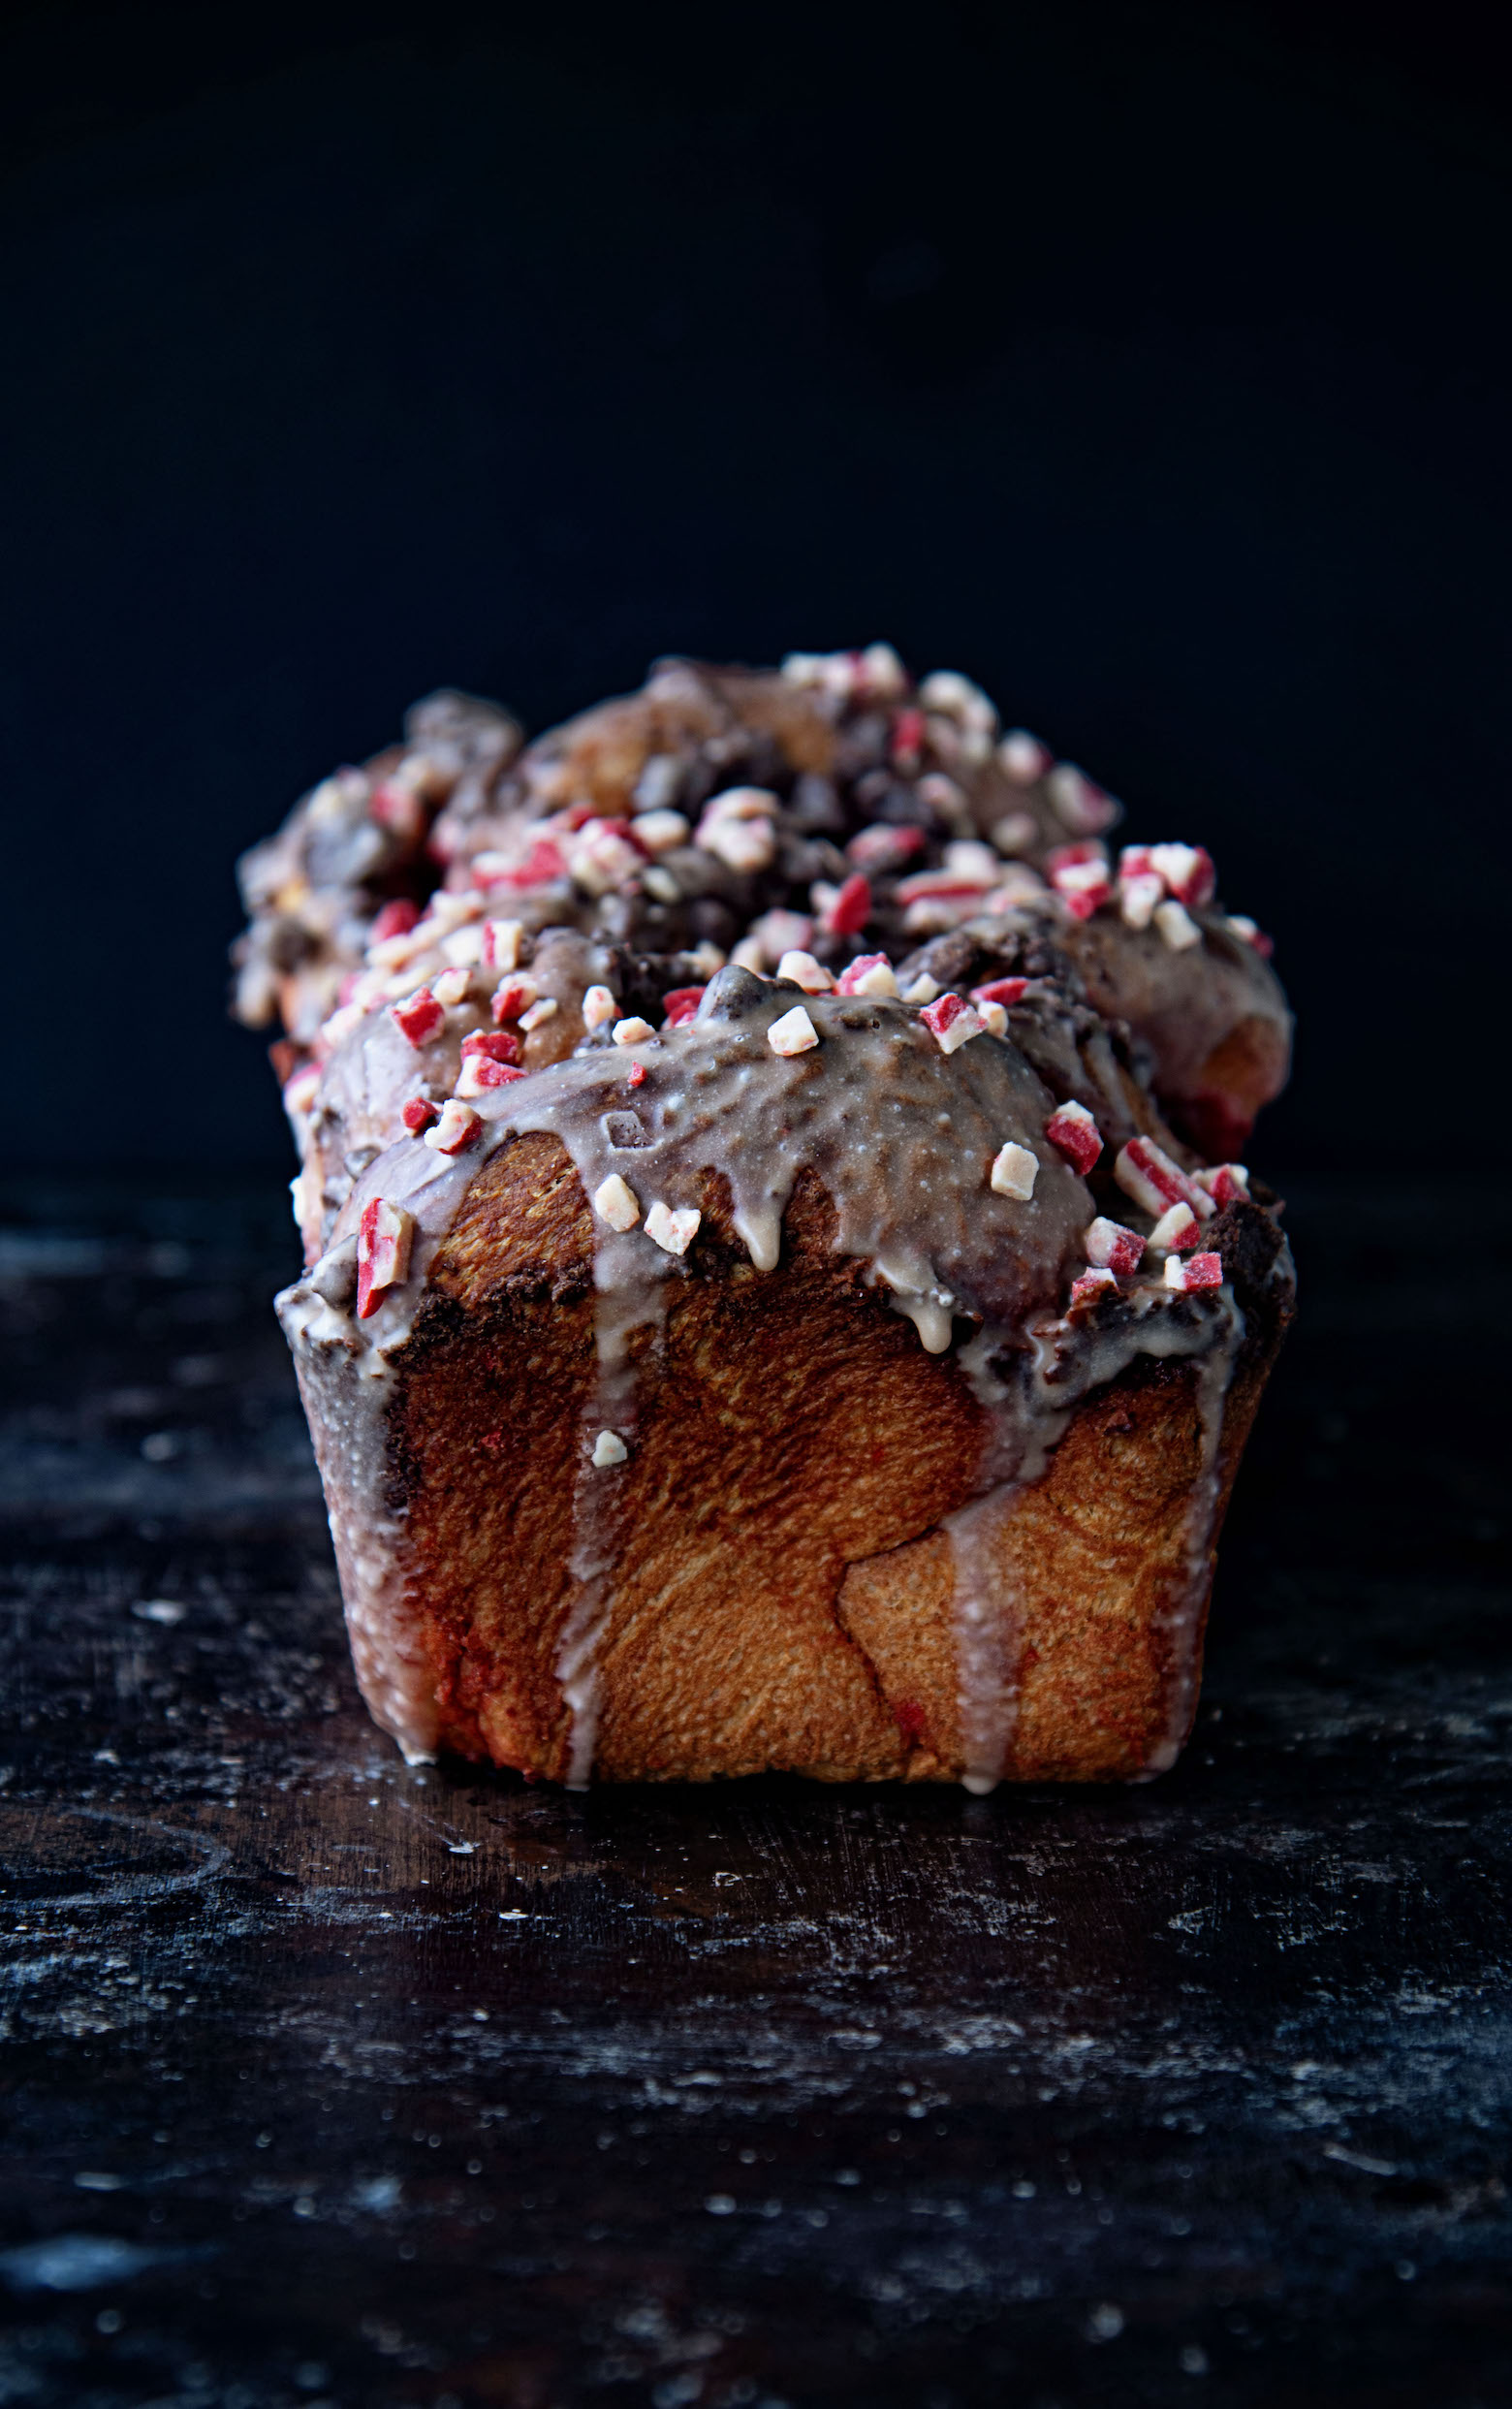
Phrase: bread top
(834,807)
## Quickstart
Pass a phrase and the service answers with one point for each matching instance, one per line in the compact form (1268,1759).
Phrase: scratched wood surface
(327,2081)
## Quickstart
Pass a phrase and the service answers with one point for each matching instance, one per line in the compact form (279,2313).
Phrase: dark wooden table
(331,2082)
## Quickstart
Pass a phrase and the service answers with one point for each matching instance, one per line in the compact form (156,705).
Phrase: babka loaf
(774,1297)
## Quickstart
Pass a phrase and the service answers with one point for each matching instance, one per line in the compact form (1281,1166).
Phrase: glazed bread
(823,1349)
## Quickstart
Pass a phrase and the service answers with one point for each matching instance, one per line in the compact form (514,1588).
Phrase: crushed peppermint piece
(419,1016)
(396,919)
(384,1237)
(848,913)
(615,1202)
(1112,1247)
(1023,757)
(542,864)
(660,831)
(500,1045)
(1079,803)
(884,848)
(952,1021)
(907,744)
(1226,1183)
(1140,896)
(1176,1229)
(994,1020)
(1014,1170)
(1187,870)
(546,1010)
(1087,1284)
(631,1031)
(1006,991)
(1074,1131)
(794,1032)
(1083,886)
(673,1232)
(299,1092)
(609,1448)
(805,973)
(514,996)
(1146,1174)
(1249,932)
(681,1005)
(869,974)
(452,985)
(1198,1270)
(924,988)
(501,943)
(480,1072)
(636,1074)
(457,1127)
(1176,926)
(598,1006)
(419,1115)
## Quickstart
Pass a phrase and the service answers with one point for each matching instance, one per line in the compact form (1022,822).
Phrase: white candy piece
(630,1032)
(994,1019)
(465,946)
(879,979)
(1177,1223)
(659,883)
(609,1448)
(1138,897)
(922,991)
(456,1128)
(1176,926)
(743,845)
(501,943)
(1014,1170)
(751,955)
(451,986)
(545,1011)
(660,831)
(598,1006)
(966,1026)
(794,1034)
(673,1232)
(615,1202)
(1015,834)
(803,971)
(1023,757)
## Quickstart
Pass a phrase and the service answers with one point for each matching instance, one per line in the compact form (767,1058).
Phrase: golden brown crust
(783,1595)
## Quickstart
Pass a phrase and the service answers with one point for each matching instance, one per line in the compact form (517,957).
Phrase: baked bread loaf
(768,1305)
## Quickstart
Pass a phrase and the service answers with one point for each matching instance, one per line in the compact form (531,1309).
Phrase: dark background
(1149,364)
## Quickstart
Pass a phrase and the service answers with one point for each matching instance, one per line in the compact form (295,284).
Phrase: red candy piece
(1006,991)
(849,981)
(1202,1271)
(1074,1131)
(542,863)
(486,1073)
(399,809)
(637,1074)
(515,997)
(1072,856)
(907,738)
(419,1113)
(396,919)
(1092,1284)
(498,1045)
(418,1017)
(884,849)
(681,1005)
(383,1252)
(851,908)
(945,1010)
